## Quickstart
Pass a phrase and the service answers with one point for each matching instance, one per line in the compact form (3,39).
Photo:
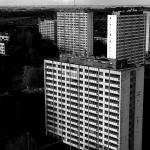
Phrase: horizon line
(94,5)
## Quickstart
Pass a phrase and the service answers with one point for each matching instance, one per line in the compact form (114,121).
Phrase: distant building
(147,31)
(126,36)
(92,105)
(4,38)
(2,48)
(47,28)
(75,31)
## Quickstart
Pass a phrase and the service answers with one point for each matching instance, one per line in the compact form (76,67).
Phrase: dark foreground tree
(22,142)
(28,48)
(5,73)
(33,77)
(100,49)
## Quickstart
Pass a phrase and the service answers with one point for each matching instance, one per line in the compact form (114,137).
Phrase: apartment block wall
(126,37)
(147,31)
(139,95)
(4,38)
(90,34)
(2,48)
(72,109)
(47,28)
(132,85)
(94,94)
(111,36)
(124,111)
(75,32)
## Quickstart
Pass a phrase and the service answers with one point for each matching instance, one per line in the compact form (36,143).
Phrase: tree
(28,48)
(33,57)
(100,49)
(22,142)
(50,49)
(33,77)
(5,73)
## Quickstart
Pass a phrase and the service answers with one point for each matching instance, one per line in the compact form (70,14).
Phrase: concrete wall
(90,34)
(147,31)
(125,107)
(111,36)
(124,110)
(138,122)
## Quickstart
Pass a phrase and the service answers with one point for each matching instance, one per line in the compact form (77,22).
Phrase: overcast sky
(78,2)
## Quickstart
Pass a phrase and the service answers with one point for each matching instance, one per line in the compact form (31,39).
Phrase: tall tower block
(75,31)
(126,36)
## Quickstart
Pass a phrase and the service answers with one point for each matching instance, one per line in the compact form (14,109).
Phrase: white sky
(78,2)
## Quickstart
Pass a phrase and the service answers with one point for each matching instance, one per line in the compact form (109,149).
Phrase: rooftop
(129,12)
(97,62)
(75,9)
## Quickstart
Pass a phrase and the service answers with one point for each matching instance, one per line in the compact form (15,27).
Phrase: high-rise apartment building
(75,31)
(126,36)
(47,28)
(92,105)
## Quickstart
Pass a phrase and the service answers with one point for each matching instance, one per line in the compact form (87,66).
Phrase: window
(115,76)
(106,74)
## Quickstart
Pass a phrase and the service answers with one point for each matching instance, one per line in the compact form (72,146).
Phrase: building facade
(147,32)
(75,32)
(2,48)
(4,38)
(92,105)
(126,32)
(47,28)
